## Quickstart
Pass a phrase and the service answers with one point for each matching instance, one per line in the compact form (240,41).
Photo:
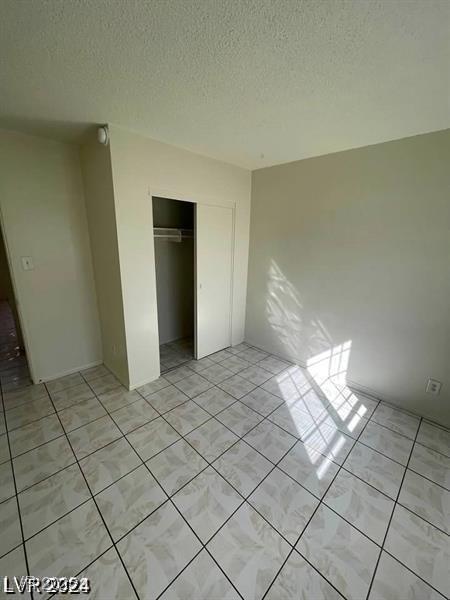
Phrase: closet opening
(174,239)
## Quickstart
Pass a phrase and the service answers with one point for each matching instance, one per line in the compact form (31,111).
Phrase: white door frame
(197,199)
(18,300)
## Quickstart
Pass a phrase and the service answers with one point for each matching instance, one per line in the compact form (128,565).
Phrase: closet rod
(172,234)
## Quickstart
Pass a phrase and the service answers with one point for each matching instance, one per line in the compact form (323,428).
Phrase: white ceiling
(231,79)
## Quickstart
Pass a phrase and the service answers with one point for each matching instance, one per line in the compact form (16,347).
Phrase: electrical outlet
(433,387)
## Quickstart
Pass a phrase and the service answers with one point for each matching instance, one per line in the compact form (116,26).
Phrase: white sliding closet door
(214,252)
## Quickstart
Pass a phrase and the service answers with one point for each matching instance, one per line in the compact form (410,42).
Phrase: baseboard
(69,372)
(353,385)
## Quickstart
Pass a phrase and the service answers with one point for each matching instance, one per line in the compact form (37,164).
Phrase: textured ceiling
(254,83)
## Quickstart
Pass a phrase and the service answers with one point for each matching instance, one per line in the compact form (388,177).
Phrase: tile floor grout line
(100,513)
(19,513)
(292,547)
(309,521)
(264,417)
(169,499)
(392,512)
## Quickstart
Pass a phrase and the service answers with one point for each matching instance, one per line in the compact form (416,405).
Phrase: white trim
(71,371)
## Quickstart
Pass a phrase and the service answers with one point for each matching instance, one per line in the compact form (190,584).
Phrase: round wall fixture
(103,135)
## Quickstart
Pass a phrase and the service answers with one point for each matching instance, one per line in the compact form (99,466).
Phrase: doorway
(174,238)
(194,270)
(14,372)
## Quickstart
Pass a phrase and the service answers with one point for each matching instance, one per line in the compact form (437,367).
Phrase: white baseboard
(354,385)
(68,372)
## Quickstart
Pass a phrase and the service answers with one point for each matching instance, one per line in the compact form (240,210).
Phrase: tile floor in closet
(236,476)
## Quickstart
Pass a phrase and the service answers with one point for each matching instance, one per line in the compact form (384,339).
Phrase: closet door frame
(196,200)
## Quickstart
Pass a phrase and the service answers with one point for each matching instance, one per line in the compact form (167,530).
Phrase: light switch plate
(27,263)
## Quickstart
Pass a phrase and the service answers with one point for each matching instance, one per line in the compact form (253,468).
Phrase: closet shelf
(172,234)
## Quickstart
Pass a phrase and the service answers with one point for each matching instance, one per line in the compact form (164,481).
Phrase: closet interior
(174,239)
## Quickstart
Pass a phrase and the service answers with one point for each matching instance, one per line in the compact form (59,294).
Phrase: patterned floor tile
(199,365)
(436,438)
(237,386)
(339,552)
(178,374)
(214,400)
(211,439)
(426,499)
(187,417)
(13,565)
(29,394)
(239,418)
(128,501)
(37,464)
(81,414)
(118,398)
(22,415)
(391,444)
(216,373)
(420,546)
(105,384)
(376,469)
(68,545)
(94,372)
(352,424)
(167,398)
(397,420)
(270,440)
(391,576)
(175,466)
(285,504)
(108,579)
(95,435)
(309,468)
(274,364)
(283,387)
(207,502)
(153,386)
(262,401)
(431,464)
(297,579)
(152,437)
(255,375)
(194,385)
(250,552)
(10,526)
(64,382)
(157,550)
(109,464)
(252,355)
(70,396)
(52,498)
(294,421)
(201,580)
(134,415)
(243,467)
(219,356)
(4,448)
(330,442)
(362,505)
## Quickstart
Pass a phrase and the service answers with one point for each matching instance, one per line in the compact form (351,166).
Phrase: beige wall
(43,213)
(141,168)
(98,187)
(356,246)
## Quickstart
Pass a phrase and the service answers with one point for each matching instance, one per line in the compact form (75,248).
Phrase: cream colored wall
(98,187)
(43,213)
(356,246)
(142,167)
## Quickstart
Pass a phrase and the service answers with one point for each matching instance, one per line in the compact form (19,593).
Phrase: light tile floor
(199,486)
